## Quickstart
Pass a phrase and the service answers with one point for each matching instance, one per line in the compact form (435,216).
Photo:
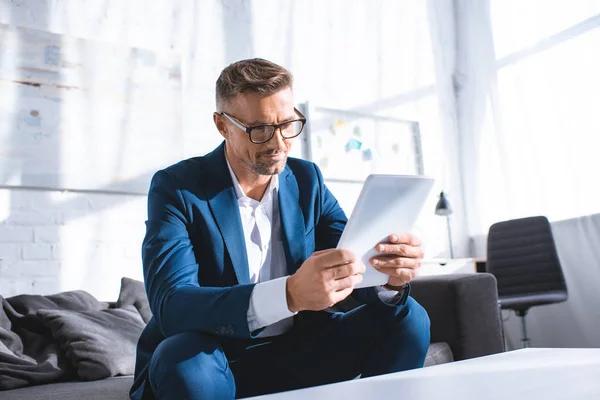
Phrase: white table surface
(528,374)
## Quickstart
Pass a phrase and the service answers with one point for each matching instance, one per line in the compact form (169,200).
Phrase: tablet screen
(387,204)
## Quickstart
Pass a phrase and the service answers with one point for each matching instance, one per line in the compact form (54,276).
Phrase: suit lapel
(292,220)
(223,203)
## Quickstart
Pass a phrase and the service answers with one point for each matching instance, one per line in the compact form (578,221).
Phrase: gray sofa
(465,323)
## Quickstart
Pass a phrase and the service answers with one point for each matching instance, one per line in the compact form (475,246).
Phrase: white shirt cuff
(268,304)
(391,297)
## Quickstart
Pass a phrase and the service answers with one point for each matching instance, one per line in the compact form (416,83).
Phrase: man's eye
(262,129)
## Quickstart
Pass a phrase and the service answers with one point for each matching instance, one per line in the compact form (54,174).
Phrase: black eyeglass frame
(248,129)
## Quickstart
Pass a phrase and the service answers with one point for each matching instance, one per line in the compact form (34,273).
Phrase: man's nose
(278,138)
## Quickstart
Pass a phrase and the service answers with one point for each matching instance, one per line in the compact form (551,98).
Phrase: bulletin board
(348,146)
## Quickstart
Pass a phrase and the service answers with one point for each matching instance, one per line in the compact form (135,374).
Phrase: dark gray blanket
(56,338)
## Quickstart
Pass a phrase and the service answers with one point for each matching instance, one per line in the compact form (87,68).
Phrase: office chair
(522,256)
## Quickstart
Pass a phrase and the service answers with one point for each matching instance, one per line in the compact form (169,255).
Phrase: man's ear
(221,125)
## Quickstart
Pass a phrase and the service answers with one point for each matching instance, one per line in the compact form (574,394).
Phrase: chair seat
(525,301)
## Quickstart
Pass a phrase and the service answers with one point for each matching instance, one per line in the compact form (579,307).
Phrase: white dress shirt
(266,259)
(261,223)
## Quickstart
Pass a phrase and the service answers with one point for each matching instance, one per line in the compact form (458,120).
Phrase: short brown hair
(254,75)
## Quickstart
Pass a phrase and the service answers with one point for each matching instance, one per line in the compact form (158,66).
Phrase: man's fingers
(406,274)
(347,283)
(336,257)
(403,250)
(396,262)
(402,244)
(340,295)
(343,271)
(340,272)
(360,267)
(405,238)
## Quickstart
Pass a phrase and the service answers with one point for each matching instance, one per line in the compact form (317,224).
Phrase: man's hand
(326,278)
(400,258)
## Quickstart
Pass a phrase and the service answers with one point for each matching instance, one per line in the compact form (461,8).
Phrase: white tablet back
(387,204)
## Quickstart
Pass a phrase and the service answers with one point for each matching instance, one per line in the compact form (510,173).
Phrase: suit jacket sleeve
(177,300)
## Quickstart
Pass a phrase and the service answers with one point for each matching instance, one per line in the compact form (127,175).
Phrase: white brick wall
(46,234)
(54,241)
(9,251)
(32,218)
(16,234)
(41,268)
(36,252)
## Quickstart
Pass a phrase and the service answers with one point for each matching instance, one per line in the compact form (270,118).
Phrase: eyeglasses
(263,133)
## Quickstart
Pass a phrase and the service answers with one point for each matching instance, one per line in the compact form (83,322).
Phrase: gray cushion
(99,343)
(134,293)
(438,353)
(75,300)
(106,389)
(29,355)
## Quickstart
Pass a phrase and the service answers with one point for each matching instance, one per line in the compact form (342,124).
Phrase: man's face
(252,109)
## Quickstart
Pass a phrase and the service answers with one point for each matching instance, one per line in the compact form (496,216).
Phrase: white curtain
(528,92)
(528,85)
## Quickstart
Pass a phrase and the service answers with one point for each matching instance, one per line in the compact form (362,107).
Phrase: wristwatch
(397,288)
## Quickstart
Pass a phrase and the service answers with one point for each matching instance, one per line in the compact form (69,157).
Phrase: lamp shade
(443,206)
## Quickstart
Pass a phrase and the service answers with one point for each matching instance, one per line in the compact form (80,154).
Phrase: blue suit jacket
(194,254)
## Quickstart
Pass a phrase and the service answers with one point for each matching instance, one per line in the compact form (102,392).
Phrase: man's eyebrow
(288,119)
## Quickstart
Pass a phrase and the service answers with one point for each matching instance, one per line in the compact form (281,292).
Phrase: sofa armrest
(463,309)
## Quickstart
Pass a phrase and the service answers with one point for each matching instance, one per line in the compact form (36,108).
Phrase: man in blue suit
(241,269)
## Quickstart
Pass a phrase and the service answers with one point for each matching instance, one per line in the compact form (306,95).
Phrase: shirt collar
(239,192)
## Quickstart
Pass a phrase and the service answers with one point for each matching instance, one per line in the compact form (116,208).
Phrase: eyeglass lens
(264,133)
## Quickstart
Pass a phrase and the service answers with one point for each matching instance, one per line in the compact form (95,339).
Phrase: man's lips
(271,155)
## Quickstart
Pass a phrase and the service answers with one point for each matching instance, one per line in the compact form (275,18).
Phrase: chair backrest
(522,255)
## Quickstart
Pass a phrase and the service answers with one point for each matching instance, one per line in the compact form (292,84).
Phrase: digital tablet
(387,204)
